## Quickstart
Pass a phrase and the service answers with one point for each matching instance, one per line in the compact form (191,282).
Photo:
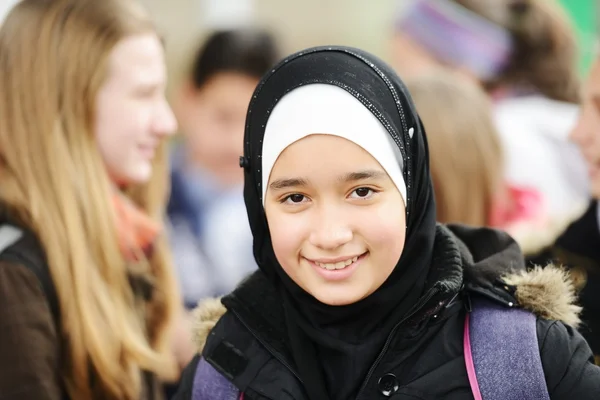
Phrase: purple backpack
(494,373)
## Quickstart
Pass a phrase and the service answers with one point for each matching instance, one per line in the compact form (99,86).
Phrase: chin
(333,298)
(139,175)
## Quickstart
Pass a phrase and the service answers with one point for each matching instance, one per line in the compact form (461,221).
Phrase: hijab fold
(334,347)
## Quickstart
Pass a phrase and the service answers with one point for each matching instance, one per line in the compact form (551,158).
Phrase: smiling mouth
(338,265)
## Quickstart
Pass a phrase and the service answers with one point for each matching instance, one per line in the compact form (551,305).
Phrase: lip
(337,274)
(333,260)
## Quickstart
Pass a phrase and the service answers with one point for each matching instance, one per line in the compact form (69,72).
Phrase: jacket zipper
(390,337)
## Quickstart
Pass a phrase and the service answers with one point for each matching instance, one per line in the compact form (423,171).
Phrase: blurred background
(299,24)
(521,64)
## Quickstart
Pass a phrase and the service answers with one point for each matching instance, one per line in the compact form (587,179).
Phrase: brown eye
(294,198)
(362,193)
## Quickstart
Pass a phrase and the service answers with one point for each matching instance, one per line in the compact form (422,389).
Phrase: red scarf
(136,231)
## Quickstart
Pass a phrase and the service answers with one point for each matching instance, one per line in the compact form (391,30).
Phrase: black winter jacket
(425,356)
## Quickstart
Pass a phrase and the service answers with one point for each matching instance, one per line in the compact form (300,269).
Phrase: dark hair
(247,51)
(545,54)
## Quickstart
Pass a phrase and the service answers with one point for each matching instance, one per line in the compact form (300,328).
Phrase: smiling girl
(87,293)
(360,294)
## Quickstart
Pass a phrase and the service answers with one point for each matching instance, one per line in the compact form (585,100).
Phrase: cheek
(288,231)
(120,129)
(385,232)
(122,122)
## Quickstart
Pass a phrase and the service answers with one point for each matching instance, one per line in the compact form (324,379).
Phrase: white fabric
(534,132)
(328,109)
(9,235)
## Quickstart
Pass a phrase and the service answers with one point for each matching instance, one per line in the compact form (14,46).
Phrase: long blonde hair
(464,147)
(53,60)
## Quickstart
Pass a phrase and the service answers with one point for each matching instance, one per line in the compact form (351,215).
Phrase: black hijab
(333,347)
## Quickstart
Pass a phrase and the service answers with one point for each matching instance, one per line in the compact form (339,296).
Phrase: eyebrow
(362,175)
(285,183)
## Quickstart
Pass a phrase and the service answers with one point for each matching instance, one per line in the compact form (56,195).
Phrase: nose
(330,230)
(165,123)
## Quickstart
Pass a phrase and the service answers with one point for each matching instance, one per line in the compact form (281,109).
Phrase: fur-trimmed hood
(492,265)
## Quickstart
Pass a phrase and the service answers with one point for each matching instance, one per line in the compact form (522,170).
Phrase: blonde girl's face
(132,113)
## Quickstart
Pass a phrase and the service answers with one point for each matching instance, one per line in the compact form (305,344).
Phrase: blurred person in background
(88,295)
(579,246)
(210,235)
(523,53)
(467,162)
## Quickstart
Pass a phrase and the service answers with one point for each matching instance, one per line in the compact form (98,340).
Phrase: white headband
(328,109)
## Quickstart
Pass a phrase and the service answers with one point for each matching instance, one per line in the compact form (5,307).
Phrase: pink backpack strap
(469,360)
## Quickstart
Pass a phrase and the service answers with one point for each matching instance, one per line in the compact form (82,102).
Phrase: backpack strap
(21,247)
(210,384)
(502,354)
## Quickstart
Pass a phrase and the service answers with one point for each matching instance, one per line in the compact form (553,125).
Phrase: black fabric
(332,345)
(28,252)
(579,248)
(231,360)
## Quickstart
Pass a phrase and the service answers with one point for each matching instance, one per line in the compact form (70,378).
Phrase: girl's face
(336,219)
(587,131)
(213,118)
(132,115)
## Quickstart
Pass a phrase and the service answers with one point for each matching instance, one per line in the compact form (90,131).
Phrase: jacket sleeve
(29,365)
(568,363)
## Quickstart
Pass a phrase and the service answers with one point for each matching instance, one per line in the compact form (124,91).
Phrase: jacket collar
(482,261)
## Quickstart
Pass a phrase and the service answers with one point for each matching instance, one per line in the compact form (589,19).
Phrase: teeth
(338,265)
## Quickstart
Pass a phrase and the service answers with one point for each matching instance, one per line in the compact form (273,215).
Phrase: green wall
(584,14)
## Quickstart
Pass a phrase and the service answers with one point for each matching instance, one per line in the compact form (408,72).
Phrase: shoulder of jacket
(205,316)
